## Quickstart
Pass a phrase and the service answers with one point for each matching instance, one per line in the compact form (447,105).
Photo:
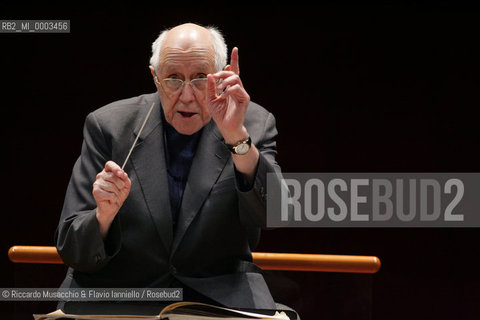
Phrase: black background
(356,86)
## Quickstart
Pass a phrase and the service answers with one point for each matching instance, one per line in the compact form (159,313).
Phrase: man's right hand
(110,190)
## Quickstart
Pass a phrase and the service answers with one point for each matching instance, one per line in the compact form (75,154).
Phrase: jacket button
(173,270)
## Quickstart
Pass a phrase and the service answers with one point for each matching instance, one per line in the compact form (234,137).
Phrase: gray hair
(218,44)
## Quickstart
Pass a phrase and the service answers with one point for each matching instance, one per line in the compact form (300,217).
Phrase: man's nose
(187,95)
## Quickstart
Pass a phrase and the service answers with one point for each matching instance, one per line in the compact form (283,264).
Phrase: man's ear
(227,68)
(152,71)
(154,76)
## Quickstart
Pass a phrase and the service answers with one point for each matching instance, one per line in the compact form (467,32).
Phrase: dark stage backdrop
(355,86)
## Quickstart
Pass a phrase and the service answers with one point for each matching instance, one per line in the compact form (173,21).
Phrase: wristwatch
(241,147)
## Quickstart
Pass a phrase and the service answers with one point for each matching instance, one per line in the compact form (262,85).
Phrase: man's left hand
(228,108)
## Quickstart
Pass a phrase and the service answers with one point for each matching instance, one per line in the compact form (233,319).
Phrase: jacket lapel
(209,161)
(148,160)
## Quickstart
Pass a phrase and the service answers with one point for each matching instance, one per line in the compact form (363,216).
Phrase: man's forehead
(192,52)
(196,57)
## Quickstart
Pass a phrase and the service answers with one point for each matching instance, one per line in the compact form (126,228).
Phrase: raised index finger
(235,67)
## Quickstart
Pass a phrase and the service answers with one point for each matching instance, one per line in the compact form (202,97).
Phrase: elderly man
(189,205)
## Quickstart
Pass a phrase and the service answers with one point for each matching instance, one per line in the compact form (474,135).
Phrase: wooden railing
(266,261)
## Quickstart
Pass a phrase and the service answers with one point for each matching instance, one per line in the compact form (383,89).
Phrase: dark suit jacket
(218,224)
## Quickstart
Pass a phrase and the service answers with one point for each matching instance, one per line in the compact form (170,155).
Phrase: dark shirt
(179,152)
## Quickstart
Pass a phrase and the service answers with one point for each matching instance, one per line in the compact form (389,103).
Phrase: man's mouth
(186,114)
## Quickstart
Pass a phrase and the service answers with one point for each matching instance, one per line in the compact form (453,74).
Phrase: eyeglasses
(175,85)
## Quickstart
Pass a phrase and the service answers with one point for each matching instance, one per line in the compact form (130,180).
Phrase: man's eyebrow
(170,67)
(201,66)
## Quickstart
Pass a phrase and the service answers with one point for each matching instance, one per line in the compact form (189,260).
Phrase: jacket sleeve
(77,238)
(253,201)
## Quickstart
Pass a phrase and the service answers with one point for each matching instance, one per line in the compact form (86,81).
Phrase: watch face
(242,148)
